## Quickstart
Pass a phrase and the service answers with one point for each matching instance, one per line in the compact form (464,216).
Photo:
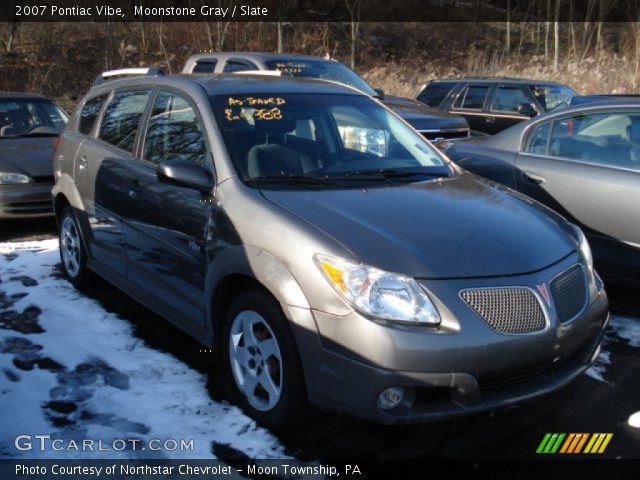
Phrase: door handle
(533,178)
(82,162)
(491,119)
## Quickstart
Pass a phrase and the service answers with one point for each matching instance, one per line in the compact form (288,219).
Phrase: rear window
(435,93)
(205,66)
(122,118)
(90,113)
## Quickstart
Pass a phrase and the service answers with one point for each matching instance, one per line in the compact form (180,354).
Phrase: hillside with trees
(61,60)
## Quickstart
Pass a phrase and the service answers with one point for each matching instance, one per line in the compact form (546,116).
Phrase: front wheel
(72,252)
(262,361)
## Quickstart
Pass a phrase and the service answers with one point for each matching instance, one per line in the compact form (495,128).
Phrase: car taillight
(56,142)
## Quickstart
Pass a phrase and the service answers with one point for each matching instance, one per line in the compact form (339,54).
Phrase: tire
(262,368)
(73,254)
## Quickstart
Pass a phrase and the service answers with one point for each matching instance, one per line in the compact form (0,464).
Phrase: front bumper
(26,200)
(463,368)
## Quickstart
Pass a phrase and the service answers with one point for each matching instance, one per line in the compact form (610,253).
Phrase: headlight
(13,178)
(379,293)
(585,249)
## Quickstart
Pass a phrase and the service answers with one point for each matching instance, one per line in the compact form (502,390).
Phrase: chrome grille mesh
(507,310)
(569,291)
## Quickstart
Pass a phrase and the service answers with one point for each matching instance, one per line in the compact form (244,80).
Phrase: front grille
(507,310)
(569,290)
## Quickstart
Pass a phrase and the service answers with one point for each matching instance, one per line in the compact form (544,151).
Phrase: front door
(166,225)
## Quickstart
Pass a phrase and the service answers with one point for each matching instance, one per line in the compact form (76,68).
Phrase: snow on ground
(621,329)
(73,370)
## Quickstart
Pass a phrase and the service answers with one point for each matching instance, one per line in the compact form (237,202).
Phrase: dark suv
(324,247)
(492,104)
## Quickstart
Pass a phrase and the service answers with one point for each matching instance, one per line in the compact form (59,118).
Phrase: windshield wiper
(291,179)
(386,173)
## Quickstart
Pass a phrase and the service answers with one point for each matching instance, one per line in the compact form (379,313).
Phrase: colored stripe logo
(574,443)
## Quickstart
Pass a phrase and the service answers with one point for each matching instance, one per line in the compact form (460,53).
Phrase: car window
(538,140)
(235,65)
(320,136)
(473,97)
(205,66)
(122,118)
(30,116)
(604,138)
(90,112)
(435,93)
(322,69)
(552,96)
(174,132)
(509,99)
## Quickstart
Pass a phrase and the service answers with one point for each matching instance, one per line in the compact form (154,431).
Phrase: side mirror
(185,174)
(528,109)
(380,93)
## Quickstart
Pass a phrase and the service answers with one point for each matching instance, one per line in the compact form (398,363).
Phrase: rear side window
(122,118)
(435,93)
(205,66)
(538,142)
(238,66)
(90,113)
(174,132)
(473,97)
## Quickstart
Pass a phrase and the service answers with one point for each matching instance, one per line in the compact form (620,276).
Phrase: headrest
(275,127)
(633,131)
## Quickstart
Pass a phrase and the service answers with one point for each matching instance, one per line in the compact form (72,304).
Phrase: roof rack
(105,76)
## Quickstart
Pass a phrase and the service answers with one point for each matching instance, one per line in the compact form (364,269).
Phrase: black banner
(333,469)
(319,10)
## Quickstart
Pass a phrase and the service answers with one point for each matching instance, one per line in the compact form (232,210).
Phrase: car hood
(30,156)
(422,117)
(451,228)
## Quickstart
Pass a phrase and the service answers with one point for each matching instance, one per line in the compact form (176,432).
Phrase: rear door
(471,103)
(505,105)
(166,224)
(100,166)
(587,167)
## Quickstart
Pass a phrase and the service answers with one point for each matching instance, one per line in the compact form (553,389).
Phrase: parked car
(324,247)
(29,128)
(582,99)
(582,161)
(434,124)
(492,104)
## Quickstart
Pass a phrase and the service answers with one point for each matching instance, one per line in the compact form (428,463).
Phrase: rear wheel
(262,362)
(72,252)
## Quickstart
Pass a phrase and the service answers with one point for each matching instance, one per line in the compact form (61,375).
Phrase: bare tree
(556,37)
(354,13)
(11,35)
(507,47)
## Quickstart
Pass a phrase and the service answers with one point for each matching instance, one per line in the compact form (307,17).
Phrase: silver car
(323,247)
(29,129)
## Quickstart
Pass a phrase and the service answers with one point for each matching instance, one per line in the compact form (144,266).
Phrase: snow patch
(85,375)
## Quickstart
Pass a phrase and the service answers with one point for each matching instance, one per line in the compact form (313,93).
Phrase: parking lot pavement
(50,334)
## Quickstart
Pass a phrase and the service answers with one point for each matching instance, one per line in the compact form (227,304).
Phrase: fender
(258,264)
(66,187)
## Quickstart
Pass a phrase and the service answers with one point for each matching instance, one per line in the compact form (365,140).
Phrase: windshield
(324,70)
(299,138)
(552,96)
(30,116)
